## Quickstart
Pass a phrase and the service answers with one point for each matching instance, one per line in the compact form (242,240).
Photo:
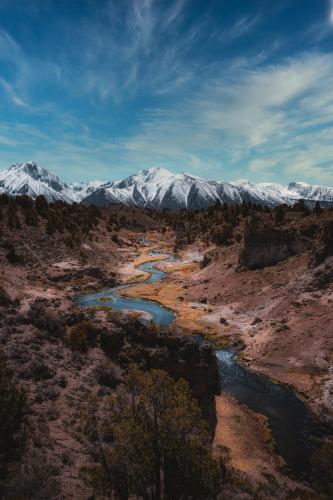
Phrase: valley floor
(283,332)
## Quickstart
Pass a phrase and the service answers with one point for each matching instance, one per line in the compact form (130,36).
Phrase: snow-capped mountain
(156,188)
(159,188)
(32,180)
(83,189)
(309,192)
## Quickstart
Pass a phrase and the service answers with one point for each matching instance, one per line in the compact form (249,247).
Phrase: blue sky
(218,88)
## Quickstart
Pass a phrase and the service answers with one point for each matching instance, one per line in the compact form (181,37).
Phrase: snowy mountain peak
(83,189)
(312,192)
(156,188)
(152,174)
(32,170)
(24,166)
(32,180)
(242,183)
(298,185)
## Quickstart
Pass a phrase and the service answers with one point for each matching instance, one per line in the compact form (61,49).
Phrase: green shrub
(82,335)
(12,256)
(223,235)
(13,222)
(322,468)
(31,217)
(300,206)
(115,238)
(78,338)
(107,374)
(206,260)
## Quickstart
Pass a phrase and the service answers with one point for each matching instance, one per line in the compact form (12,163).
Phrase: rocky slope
(60,376)
(271,292)
(61,354)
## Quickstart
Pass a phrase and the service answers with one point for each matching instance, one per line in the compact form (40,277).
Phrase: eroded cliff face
(266,245)
(323,248)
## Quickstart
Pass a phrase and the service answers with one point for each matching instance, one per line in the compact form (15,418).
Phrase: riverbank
(239,429)
(171,292)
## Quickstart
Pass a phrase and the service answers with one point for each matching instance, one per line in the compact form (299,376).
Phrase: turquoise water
(158,314)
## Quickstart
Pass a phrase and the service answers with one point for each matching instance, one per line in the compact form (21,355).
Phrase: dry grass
(169,293)
(247,435)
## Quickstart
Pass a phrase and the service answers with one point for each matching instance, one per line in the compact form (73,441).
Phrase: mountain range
(156,188)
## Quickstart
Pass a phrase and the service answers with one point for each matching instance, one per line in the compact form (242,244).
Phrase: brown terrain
(270,294)
(266,287)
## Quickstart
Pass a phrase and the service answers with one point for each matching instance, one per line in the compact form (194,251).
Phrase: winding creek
(296,434)
(152,310)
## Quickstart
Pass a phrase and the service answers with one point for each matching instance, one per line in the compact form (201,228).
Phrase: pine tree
(152,442)
(317,208)
(41,205)
(301,206)
(13,222)
(280,215)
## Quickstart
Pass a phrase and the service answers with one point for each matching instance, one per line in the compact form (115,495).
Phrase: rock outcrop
(268,245)
(324,247)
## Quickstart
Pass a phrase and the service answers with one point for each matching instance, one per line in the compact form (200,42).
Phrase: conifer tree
(152,442)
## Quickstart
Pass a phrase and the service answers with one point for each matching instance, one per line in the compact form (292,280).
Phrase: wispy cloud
(241,27)
(269,113)
(16,99)
(9,48)
(136,83)
(138,49)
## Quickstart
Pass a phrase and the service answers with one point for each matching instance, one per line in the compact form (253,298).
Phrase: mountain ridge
(156,188)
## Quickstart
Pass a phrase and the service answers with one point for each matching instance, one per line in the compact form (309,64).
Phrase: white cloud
(266,119)
(267,114)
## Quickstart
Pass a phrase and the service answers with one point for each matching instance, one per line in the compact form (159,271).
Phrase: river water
(295,432)
(155,311)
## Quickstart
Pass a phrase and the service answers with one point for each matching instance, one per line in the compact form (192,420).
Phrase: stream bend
(296,434)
